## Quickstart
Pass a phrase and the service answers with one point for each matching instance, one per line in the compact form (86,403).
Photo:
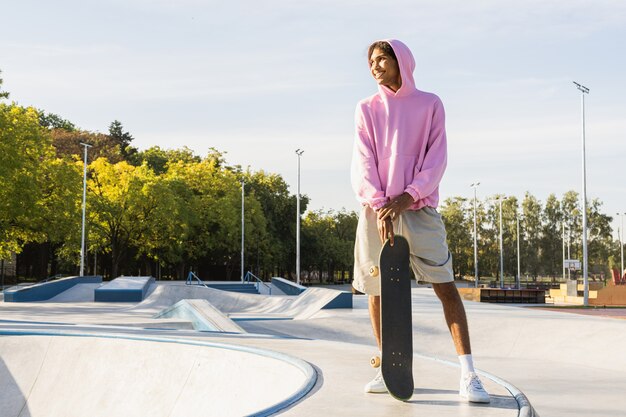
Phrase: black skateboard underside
(396,323)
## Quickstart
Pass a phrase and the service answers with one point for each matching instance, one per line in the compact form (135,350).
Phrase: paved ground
(567,364)
(616,313)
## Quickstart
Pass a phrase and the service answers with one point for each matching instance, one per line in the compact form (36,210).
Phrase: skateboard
(395,319)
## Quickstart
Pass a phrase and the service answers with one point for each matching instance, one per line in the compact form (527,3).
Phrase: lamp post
(299,152)
(82,239)
(584,90)
(243,225)
(499,200)
(563,224)
(519,276)
(621,243)
(475,186)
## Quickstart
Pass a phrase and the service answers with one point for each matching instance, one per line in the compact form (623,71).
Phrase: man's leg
(377,384)
(374,308)
(455,316)
(454,311)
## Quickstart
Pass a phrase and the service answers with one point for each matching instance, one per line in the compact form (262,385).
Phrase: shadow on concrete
(12,400)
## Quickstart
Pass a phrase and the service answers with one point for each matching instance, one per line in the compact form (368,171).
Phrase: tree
(61,203)
(158,159)
(509,235)
(3,94)
(279,210)
(551,253)
(530,230)
(600,240)
(67,144)
(459,231)
(122,138)
(328,243)
(490,234)
(214,238)
(120,204)
(24,144)
(54,121)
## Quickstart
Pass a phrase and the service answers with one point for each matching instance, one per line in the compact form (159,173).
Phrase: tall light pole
(584,90)
(299,152)
(621,243)
(475,186)
(82,239)
(243,225)
(499,199)
(519,276)
(563,224)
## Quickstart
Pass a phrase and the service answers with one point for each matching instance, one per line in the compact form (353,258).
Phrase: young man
(399,160)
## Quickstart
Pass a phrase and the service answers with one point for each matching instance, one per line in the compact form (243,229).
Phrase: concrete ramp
(239,305)
(202,315)
(65,376)
(124,289)
(79,293)
(46,290)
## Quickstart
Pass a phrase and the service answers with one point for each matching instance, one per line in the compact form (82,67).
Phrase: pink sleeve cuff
(378,204)
(413,193)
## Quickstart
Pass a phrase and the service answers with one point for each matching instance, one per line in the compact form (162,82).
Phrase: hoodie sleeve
(426,178)
(365,179)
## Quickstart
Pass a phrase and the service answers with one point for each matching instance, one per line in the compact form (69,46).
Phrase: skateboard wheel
(375,362)
(374,271)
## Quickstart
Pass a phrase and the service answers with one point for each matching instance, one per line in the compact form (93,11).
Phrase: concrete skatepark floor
(561,361)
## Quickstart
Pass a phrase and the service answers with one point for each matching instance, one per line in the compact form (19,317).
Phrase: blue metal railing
(258,282)
(191,277)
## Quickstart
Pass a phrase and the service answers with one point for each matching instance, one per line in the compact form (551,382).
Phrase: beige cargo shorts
(430,259)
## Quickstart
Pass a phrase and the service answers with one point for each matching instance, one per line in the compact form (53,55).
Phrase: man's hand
(389,212)
(385,230)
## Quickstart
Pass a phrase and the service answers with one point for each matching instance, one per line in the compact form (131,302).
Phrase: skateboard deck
(396,323)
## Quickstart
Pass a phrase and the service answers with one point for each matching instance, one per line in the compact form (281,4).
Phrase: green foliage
(458,219)
(24,144)
(530,231)
(3,94)
(54,121)
(121,204)
(121,138)
(158,159)
(173,208)
(67,144)
(551,255)
(327,243)
(279,209)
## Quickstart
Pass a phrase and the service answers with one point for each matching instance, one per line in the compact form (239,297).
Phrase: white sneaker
(472,389)
(376,385)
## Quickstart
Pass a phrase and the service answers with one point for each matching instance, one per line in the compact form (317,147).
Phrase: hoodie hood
(406,63)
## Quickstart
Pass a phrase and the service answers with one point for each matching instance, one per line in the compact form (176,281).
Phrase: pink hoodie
(400,142)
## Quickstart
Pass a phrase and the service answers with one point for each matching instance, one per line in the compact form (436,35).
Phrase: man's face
(385,69)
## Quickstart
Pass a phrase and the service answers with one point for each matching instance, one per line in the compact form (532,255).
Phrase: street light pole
(299,152)
(243,225)
(82,239)
(563,224)
(475,186)
(621,243)
(584,90)
(519,276)
(501,247)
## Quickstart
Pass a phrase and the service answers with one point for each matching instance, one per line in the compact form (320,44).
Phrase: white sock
(467,365)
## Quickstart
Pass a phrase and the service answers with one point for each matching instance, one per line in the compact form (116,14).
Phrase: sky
(258,80)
